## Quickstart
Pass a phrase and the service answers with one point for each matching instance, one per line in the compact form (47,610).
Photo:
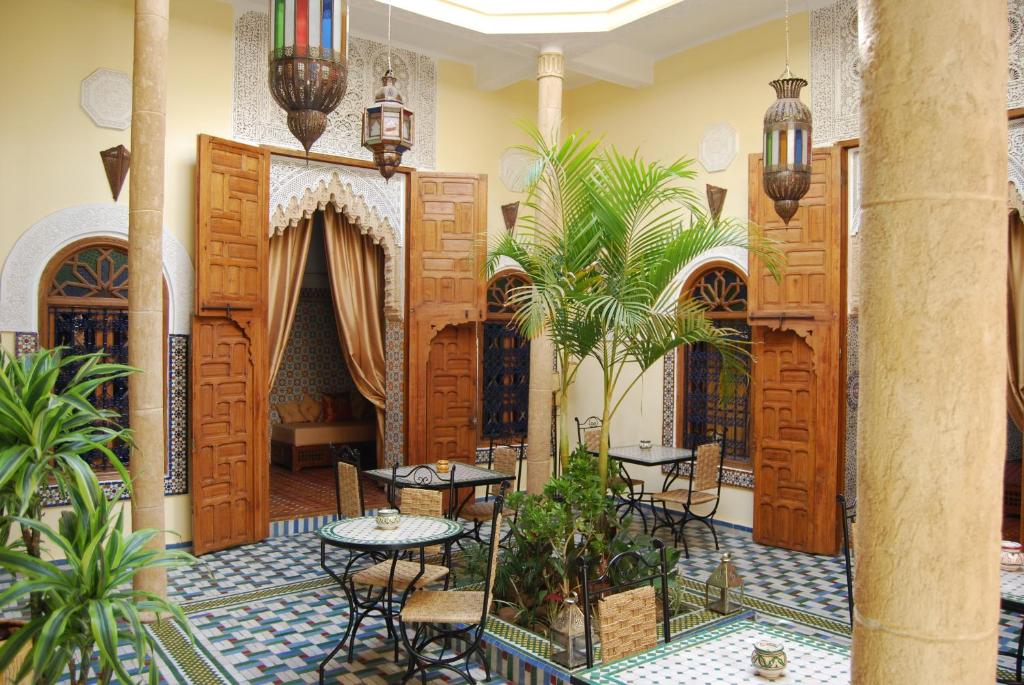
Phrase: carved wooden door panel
(796,329)
(446,289)
(451,403)
(230,477)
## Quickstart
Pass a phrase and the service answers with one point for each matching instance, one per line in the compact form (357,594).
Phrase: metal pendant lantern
(388,125)
(308,62)
(787,142)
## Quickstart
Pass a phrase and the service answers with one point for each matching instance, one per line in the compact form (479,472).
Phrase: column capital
(550,63)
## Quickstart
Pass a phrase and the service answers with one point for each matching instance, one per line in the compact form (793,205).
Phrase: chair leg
(1020,652)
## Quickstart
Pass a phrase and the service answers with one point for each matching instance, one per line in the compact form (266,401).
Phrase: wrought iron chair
(424,476)
(588,434)
(848,519)
(704,487)
(450,617)
(348,490)
(627,620)
(503,459)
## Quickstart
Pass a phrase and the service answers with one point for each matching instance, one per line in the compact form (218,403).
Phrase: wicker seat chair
(627,613)
(703,488)
(443,619)
(348,491)
(503,459)
(588,434)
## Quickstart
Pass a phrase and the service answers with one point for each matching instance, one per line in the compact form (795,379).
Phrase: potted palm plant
(606,247)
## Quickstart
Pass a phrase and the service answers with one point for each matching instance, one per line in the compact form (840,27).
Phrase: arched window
(84,307)
(505,362)
(705,412)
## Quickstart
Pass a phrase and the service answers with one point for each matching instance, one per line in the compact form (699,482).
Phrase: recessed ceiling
(534,16)
(625,55)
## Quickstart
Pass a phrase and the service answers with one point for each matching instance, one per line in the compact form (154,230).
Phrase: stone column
(550,69)
(145,294)
(932,340)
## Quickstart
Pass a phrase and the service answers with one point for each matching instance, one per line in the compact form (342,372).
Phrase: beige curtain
(288,251)
(1015,329)
(356,268)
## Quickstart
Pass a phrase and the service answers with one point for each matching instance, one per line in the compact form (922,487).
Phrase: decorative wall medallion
(718,146)
(107,98)
(176,476)
(256,118)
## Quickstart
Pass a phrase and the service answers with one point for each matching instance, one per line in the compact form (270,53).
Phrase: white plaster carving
(835,69)
(290,179)
(256,118)
(19,280)
(107,98)
(718,146)
(1017,152)
(334,184)
(515,166)
(735,256)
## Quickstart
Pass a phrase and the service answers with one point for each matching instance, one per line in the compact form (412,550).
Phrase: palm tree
(606,246)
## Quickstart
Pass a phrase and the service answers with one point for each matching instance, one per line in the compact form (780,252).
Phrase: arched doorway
(704,412)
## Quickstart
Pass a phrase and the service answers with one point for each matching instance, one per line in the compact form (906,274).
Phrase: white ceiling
(623,55)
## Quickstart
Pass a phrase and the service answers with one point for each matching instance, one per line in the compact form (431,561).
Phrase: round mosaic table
(413,532)
(362,535)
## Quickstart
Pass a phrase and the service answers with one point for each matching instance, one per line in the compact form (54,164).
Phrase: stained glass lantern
(568,635)
(308,62)
(388,126)
(723,592)
(787,146)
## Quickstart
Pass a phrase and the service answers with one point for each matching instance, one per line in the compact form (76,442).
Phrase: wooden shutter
(230,467)
(797,331)
(446,289)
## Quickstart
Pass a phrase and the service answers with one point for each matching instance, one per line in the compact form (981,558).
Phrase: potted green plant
(89,604)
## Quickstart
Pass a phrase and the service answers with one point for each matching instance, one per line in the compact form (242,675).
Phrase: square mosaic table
(466,475)
(655,455)
(721,656)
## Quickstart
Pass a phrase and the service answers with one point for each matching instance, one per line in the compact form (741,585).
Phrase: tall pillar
(932,340)
(550,70)
(145,292)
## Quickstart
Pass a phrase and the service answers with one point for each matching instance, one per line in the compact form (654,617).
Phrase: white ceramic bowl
(388,519)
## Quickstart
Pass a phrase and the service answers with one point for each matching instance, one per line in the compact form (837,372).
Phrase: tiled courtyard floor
(267,613)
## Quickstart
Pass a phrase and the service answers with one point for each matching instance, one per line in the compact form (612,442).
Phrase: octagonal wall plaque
(107,98)
(718,147)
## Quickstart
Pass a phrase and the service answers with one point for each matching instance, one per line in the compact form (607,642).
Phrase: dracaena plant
(47,425)
(89,605)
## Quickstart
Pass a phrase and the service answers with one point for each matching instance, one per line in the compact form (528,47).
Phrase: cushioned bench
(299,445)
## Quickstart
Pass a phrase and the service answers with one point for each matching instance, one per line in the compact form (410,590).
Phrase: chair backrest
(418,502)
(707,468)
(644,619)
(422,475)
(505,460)
(348,490)
(495,547)
(588,433)
(627,623)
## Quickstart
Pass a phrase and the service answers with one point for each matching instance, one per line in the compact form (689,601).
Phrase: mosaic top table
(1012,589)
(361,535)
(425,476)
(722,655)
(655,455)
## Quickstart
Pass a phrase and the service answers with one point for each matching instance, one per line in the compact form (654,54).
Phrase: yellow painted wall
(475,127)
(724,80)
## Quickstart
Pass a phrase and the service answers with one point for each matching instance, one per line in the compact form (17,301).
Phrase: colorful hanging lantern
(388,126)
(308,62)
(787,142)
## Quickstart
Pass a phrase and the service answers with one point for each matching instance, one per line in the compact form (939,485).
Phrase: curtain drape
(1015,311)
(356,268)
(287,260)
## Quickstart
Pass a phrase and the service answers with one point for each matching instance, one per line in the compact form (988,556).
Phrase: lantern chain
(389,36)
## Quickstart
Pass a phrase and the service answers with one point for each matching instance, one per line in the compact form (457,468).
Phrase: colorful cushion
(336,407)
(310,408)
(290,412)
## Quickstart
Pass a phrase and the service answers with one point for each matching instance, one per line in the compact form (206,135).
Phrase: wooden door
(446,289)
(230,454)
(796,329)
